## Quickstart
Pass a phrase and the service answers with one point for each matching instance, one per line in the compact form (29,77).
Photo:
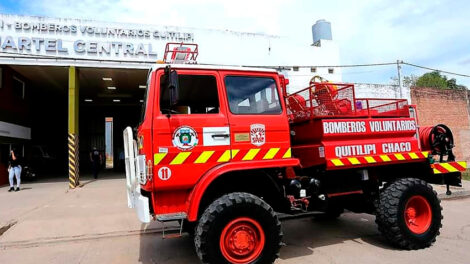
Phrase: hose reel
(437,139)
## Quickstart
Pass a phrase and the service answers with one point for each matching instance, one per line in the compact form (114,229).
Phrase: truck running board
(176,217)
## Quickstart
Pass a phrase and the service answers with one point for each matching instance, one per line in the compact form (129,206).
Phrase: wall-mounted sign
(84,39)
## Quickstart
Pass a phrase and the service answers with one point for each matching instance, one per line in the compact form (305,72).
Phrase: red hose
(424,137)
(438,139)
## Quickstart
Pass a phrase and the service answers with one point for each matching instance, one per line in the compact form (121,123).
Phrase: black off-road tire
(224,210)
(390,213)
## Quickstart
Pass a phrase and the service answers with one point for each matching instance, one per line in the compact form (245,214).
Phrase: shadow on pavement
(155,249)
(301,237)
(83,183)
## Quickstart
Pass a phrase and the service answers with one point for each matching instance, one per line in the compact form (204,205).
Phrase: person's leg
(10,177)
(18,176)
(95,170)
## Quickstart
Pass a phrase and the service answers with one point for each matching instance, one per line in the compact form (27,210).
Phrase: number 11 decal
(164,173)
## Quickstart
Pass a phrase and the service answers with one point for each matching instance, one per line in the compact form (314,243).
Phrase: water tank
(321,30)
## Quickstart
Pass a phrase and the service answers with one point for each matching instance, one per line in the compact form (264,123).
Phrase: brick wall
(449,107)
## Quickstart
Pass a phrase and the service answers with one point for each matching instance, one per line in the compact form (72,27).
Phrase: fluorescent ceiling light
(142,86)
(141,101)
(116,100)
(107,79)
(111,88)
(88,100)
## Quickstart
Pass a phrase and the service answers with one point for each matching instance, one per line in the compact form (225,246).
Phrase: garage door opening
(110,100)
(34,117)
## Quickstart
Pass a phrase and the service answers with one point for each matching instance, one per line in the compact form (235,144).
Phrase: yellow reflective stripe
(180,158)
(271,153)
(354,161)
(448,167)
(225,157)
(413,155)
(288,154)
(235,152)
(462,163)
(251,154)
(337,162)
(399,156)
(158,157)
(205,155)
(385,158)
(370,159)
(436,171)
(425,153)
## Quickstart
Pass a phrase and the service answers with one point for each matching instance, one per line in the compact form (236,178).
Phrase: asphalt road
(353,238)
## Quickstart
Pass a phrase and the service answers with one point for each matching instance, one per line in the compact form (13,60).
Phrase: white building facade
(27,40)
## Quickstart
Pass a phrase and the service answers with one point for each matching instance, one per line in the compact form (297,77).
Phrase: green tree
(436,80)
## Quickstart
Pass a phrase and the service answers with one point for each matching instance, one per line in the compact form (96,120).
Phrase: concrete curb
(455,195)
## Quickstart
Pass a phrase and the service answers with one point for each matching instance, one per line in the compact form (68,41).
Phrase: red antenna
(181,52)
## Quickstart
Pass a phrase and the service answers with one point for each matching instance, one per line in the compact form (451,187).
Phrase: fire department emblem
(257,134)
(185,138)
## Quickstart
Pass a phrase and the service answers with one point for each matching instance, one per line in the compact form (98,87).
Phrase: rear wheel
(238,228)
(409,213)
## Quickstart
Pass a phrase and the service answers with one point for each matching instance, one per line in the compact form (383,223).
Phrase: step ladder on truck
(226,153)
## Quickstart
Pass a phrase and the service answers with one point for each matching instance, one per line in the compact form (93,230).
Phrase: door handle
(220,136)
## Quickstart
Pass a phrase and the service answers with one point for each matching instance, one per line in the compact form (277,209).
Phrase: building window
(18,88)
(331,70)
(313,69)
(197,95)
(295,68)
(252,95)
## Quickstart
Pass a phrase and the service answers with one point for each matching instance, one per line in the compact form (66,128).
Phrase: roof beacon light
(181,53)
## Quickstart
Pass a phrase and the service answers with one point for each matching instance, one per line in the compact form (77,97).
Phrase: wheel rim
(242,240)
(418,214)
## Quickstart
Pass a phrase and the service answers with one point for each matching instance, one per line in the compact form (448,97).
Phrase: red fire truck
(226,152)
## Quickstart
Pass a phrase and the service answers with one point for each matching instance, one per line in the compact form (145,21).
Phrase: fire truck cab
(227,153)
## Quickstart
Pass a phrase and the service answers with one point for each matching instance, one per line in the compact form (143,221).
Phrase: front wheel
(238,228)
(409,213)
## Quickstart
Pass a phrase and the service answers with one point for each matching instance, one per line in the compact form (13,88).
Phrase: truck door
(192,136)
(257,117)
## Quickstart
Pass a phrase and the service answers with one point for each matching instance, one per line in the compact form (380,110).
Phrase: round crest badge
(185,138)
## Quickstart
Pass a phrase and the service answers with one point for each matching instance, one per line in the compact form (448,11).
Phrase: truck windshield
(252,95)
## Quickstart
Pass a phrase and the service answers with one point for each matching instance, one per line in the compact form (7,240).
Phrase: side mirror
(173,87)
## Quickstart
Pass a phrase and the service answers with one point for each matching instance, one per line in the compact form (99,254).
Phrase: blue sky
(432,33)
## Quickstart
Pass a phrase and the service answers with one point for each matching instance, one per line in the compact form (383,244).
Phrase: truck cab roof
(212,67)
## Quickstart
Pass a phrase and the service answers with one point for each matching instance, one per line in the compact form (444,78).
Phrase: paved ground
(93,225)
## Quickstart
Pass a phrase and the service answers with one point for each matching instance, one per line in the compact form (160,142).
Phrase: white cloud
(432,32)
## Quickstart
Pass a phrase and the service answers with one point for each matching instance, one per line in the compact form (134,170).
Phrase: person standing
(14,170)
(96,161)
